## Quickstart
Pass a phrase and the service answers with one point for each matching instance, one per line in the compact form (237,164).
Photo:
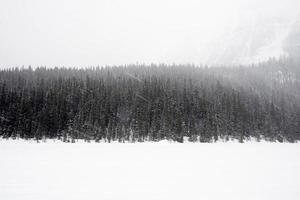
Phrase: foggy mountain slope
(254,39)
(160,31)
(292,42)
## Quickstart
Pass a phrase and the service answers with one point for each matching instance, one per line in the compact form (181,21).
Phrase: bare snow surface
(154,171)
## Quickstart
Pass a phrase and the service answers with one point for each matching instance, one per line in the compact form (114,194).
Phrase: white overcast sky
(112,32)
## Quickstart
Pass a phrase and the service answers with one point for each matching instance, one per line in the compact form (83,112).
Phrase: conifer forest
(137,103)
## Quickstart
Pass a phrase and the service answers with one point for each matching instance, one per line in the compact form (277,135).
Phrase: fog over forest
(134,70)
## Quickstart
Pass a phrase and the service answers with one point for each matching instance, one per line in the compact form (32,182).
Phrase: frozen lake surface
(154,171)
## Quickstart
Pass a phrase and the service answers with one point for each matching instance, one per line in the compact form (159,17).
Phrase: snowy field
(149,171)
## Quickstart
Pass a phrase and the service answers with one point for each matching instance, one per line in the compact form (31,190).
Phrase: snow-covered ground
(56,170)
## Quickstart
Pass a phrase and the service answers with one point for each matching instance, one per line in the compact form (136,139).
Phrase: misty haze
(90,33)
(161,99)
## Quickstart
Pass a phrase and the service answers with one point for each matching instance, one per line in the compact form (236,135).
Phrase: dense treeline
(151,103)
